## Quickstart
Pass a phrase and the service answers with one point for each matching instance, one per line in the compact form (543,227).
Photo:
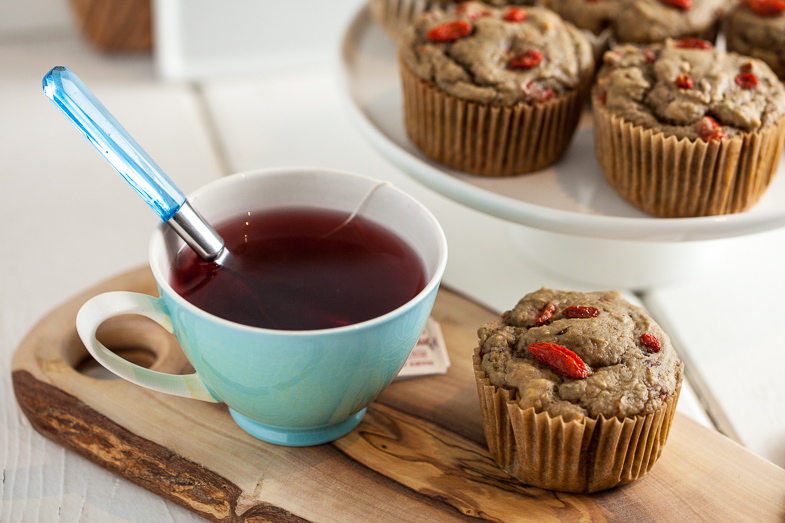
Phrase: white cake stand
(566,218)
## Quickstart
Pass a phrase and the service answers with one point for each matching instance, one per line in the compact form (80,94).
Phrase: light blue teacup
(292,388)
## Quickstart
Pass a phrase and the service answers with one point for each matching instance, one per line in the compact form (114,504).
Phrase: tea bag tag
(429,356)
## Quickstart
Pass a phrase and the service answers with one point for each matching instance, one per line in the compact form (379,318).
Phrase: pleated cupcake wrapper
(582,456)
(670,177)
(395,15)
(486,139)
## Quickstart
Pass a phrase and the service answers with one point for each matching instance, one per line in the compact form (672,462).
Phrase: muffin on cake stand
(565,218)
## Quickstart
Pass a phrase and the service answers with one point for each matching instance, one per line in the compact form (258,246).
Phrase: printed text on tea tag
(429,356)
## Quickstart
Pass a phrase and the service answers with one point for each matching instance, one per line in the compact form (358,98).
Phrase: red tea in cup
(301,269)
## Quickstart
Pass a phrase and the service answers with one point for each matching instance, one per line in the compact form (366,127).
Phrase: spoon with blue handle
(98,125)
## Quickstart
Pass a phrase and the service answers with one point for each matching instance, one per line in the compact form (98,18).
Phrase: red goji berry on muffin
(577,390)
(644,21)
(683,129)
(498,94)
(757,28)
(393,16)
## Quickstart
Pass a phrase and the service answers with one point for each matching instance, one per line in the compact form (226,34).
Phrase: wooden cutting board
(418,455)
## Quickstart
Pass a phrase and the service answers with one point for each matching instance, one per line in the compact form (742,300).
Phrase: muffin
(644,21)
(496,95)
(757,28)
(577,390)
(683,129)
(395,15)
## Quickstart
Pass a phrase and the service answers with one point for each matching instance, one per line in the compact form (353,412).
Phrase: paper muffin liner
(393,16)
(486,139)
(669,177)
(580,456)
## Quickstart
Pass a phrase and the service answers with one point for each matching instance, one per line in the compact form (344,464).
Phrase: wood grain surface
(418,455)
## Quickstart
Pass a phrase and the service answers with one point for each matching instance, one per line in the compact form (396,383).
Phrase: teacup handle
(104,306)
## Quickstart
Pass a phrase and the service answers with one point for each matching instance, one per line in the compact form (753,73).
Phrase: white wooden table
(68,221)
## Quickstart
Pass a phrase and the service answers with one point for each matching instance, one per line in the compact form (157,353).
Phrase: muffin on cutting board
(577,390)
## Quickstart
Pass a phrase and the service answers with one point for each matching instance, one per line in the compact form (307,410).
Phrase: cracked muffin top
(689,89)
(644,21)
(498,56)
(575,355)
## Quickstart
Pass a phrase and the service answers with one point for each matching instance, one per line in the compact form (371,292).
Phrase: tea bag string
(356,210)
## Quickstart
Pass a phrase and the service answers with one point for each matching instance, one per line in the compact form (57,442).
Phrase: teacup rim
(434,281)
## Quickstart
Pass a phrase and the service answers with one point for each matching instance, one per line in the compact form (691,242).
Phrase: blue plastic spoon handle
(95,121)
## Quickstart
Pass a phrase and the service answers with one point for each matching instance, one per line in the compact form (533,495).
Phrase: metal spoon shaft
(128,158)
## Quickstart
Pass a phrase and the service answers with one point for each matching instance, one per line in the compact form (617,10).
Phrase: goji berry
(580,312)
(526,60)
(515,14)
(546,94)
(684,81)
(709,129)
(679,4)
(747,80)
(545,315)
(450,31)
(766,8)
(650,342)
(692,42)
(559,359)
(539,93)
